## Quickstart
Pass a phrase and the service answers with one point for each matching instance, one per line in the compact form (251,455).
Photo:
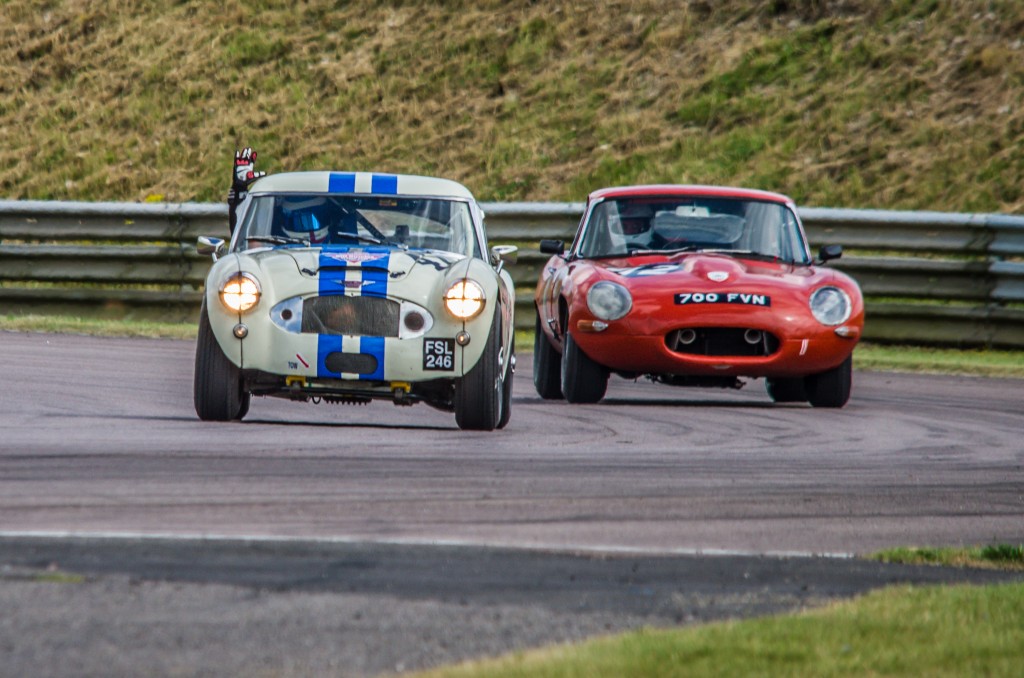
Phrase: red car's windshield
(638,225)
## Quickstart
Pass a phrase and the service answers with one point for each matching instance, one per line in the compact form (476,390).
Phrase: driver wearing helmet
(304,220)
(635,219)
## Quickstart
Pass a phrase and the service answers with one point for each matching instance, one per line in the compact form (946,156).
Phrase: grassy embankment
(906,105)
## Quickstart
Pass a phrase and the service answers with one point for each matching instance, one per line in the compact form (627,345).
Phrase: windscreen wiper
(277,239)
(677,250)
(749,254)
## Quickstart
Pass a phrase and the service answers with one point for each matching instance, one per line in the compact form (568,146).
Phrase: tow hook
(400,393)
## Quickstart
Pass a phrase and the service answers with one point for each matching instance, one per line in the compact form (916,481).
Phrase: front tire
(583,380)
(782,390)
(547,368)
(217,388)
(832,387)
(478,393)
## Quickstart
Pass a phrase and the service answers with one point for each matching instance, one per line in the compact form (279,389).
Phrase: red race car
(694,286)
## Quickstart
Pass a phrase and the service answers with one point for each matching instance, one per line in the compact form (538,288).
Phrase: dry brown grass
(848,103)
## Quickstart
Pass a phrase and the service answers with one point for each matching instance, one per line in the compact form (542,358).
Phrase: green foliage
(57,577)
(984,362)
(898,631)
(253,48)
(1003,553)
(905,105)
(97,327)
(1003,556)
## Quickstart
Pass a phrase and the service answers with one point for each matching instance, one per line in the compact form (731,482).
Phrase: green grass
(901,631)
(57,577)
(853,104)
(993,556)
(980,362)
(97,327)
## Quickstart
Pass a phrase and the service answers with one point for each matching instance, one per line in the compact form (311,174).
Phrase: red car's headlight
(608,300)
(831,305)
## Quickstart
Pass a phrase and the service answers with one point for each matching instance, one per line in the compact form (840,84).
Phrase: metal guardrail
(929,277)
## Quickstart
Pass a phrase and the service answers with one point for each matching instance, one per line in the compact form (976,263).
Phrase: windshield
(318,219)
(679,224)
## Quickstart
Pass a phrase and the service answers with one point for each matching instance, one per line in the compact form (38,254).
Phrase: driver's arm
(243,173)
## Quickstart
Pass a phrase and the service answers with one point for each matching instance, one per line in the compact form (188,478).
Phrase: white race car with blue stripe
(349,286)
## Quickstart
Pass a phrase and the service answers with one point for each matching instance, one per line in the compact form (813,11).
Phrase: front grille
(722,341)
(354,316)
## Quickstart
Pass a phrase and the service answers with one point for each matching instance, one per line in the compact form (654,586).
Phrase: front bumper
(803,346)
(267,348)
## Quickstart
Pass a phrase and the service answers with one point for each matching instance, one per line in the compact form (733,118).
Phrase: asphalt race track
(322,539)
(99,435)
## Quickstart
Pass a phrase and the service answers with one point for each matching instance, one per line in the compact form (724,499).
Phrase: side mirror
(504,254)
(552,247)
(215,247)
(828,252)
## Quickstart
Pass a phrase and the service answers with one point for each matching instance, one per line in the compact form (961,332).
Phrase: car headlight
(464,299)
(608,300)
(240,292)
(831,305)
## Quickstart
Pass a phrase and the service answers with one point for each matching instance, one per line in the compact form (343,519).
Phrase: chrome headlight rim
(465,299)
(609,300)
(244,300)
(823,304)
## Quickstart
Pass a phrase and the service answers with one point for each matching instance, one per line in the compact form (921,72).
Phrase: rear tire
(832,387)
(547,368)
(786,390)
(583,380)
(478,393)
(217,388)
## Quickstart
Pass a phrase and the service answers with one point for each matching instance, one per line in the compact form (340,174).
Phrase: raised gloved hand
(244,170)
(242,174)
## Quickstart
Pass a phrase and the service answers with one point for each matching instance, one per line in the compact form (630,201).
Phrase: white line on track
(569,549)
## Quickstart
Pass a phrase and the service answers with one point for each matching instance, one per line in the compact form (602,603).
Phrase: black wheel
(217,388)
(583,380)
(478,393)
(786,390)
(547,367)
(832,387)
(506,395)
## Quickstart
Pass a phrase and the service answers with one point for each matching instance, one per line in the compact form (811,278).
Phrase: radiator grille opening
(722,341)
(357,363)
(355,316)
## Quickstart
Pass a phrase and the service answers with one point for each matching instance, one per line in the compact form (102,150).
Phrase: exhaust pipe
(687,336)
(753,337)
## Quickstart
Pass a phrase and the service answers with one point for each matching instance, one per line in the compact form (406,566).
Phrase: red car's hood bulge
(652,272)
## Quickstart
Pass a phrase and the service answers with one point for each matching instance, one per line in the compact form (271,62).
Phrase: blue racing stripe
(346,255)
(372,281)
(375,347)
(386,184)
(326,344)
(341,183)
(375,283)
